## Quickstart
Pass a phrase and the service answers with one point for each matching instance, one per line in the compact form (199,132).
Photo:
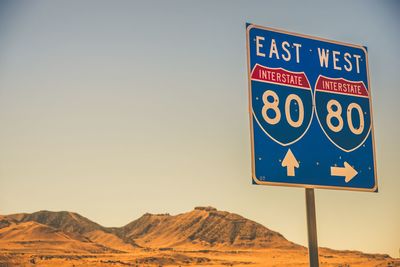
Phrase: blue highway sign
(310,111)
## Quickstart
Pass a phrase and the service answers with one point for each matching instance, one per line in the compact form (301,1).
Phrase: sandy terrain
(265,257)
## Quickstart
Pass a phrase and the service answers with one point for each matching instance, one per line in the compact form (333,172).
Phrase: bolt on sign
(310,111)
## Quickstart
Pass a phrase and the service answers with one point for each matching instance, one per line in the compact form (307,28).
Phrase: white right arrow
(347,171)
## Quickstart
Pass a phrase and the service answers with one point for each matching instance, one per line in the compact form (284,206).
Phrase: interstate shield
(282,103)
(343,111)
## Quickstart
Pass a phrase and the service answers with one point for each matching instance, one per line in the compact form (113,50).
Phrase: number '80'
(334,118)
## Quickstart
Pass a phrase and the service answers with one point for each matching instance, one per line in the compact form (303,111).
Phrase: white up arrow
(290,162)
(347,171)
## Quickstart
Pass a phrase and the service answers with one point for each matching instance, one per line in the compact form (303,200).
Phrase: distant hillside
(63,220)
(75,226)
(31,235)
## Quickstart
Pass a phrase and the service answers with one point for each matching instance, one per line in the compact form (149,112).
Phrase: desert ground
(265,257)
(202,237)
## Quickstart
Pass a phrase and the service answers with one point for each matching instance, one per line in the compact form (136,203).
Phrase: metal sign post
(312,228)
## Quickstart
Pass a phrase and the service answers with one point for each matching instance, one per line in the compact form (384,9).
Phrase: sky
(116,108)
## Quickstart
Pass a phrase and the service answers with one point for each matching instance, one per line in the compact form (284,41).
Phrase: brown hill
(69,222)
(32,231)
(75,226)
(204,226)
(28,236)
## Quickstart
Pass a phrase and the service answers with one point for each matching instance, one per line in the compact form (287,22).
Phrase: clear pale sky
(116,108)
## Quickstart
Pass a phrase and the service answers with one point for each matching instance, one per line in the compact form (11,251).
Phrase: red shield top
(280,76)
(341,86)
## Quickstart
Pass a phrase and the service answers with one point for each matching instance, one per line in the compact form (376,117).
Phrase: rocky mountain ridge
(201,228)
